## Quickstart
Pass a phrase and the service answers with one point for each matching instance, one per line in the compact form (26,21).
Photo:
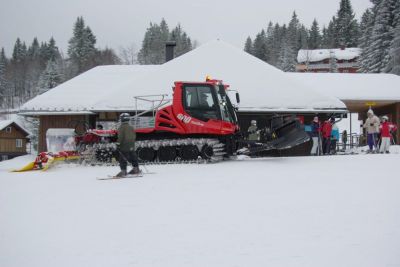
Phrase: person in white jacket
(372,126)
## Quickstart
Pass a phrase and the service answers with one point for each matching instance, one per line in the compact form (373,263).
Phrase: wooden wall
(76,122)
(8,141)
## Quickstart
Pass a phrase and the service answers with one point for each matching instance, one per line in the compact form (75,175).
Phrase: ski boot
(135,170)
(121,174)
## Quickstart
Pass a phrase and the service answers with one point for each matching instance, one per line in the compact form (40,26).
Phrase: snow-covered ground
(300,211)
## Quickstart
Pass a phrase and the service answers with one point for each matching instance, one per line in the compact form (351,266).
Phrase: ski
(112,177)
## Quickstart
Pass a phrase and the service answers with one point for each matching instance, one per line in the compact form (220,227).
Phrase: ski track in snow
(300,211)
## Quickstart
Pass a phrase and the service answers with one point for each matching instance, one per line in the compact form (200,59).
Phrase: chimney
(169,50)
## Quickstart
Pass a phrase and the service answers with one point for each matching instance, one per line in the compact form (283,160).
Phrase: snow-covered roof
(112,88)
(261,86)
(81,93)
(6,123)
(316,55)
(351,86)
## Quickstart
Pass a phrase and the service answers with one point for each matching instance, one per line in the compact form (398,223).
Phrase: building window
(8,130)
(18,143)
(4,157)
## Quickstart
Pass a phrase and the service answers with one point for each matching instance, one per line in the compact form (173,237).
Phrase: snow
(316,55)
(261,86)
(82,92)
(113,88)
(346,86)
(301,211)
(5,123)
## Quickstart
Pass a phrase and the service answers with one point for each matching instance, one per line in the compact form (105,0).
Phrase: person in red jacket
(386,134)
(326,135)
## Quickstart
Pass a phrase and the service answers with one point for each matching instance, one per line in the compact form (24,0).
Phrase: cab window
(200,102)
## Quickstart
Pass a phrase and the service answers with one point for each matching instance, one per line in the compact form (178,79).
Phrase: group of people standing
(324,136)
(378,131)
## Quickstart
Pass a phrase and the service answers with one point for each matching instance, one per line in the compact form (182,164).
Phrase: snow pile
(306,211)
(316,55)
(346,86)
(82,92)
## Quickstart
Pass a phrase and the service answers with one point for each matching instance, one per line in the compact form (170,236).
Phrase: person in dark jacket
(315,136)
(126,147)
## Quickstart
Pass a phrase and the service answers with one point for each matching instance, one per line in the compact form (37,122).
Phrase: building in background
(13,139)
(343,60)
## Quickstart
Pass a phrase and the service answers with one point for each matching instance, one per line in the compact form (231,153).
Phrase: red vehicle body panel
(173,118)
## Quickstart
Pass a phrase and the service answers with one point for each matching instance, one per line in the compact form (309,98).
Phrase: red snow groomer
(199,123)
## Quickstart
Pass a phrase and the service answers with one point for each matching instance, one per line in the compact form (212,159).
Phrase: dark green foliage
(153,45)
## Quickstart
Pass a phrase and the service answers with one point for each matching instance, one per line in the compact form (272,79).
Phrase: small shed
(13,140)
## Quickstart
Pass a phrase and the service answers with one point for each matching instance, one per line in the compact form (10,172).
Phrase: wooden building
(13,140)
(102,93)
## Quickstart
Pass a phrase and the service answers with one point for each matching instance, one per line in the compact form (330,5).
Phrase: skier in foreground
(126,148)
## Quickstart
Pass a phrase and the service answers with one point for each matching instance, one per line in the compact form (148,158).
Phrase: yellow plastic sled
(50,160)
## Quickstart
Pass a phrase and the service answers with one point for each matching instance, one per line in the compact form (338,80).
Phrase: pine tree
(346,25)
(381,36)
(288,53)
(260,46)
(394,63)
(81,48)
(153,45)
(51,77)
(183,42)
(366,25)
(303,36)
(331,35)
(3,80)
(248,46)
(52,50)
(324,37)
(287,60)
(18,71)
(292,36)
(34,50)
(315,39)
(107,56)
(19,52)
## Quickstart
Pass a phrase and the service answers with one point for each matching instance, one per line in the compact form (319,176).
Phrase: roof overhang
(54,113)
(364,105)
(292,111)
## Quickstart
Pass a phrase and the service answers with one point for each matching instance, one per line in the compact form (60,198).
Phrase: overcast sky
(122,22)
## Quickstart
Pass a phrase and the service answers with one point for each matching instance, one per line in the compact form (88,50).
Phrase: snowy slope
(305,211)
